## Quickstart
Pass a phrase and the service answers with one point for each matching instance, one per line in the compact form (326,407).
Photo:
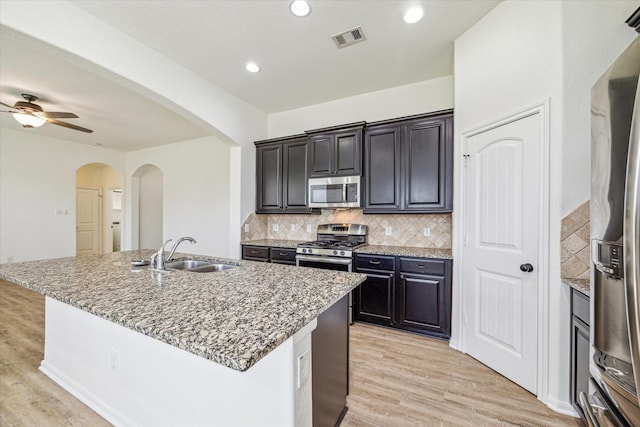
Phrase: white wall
(62,24)
(196,182)
(150,208)
(415,98)
(519,54)
(37,177)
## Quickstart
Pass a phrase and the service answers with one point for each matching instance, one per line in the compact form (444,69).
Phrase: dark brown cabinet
(281,175)
(413,294)
(408,165)
(336,151)
(580,347)
(267,254)
(373,299)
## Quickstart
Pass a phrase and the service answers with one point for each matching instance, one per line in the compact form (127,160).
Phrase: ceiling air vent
(349,37)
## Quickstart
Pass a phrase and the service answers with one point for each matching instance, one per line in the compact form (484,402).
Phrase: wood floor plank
(397,379)
(402,379)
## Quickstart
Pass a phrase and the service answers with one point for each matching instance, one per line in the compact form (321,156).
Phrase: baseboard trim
(561,407)
(85,396)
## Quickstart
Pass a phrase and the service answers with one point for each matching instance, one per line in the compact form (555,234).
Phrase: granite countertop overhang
(234,317)
(581,285)
(409,251)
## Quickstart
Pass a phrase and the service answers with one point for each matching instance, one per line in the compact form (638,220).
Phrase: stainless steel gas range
(333,249)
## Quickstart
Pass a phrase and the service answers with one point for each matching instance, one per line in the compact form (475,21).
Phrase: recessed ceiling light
(252,67)
(300,8)
(413,15)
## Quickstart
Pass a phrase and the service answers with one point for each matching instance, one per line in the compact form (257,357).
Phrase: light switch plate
(427,232)
(309,228)
(293,227)
(388,230)
(275,227)
(246,228)
(304,368)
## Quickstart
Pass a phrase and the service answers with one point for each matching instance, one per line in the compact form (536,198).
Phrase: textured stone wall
(575,248)
(406,230)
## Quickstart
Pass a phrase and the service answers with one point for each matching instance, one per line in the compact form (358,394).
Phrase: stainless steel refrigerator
(613,399)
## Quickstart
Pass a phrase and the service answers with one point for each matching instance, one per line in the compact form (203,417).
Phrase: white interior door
(88,221)
(503,168)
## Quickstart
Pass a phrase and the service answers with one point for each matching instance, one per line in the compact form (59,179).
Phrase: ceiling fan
(32,115)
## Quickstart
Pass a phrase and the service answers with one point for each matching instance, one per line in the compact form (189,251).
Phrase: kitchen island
(182,348)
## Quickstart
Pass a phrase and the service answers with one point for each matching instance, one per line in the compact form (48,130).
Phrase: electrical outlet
(275,227)
(114,360)
(427,232)
(246,228)
(304,368)
(388,230)
(293,227)
(309,228)
(10,259)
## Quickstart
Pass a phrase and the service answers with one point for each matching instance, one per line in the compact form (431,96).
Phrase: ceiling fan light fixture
(29,120)
(300,8)
(413,15)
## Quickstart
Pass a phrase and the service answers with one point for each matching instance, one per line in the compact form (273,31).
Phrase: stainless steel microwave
(334,192)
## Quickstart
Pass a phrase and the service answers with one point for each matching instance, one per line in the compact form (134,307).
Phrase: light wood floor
(397,379)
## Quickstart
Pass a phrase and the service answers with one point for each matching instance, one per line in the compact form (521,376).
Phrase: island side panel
(330,345)
(131,379)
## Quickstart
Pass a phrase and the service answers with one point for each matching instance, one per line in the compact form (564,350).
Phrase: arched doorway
(98,209)
(147,209)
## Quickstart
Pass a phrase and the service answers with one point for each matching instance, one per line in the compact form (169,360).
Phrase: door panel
(502,209)
(373,298)
(347,151)
(269,169)
(88,221)
(295,174)
(321,155)
(382,161)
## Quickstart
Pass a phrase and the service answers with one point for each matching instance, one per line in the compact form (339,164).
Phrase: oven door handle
(341,261)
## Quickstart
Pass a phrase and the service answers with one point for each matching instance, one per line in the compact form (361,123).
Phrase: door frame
(458,340)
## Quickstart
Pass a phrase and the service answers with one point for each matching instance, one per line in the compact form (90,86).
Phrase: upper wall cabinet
(336,151)
(408,165)
(281,175)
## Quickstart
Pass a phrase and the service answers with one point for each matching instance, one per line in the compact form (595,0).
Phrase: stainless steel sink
(197,266)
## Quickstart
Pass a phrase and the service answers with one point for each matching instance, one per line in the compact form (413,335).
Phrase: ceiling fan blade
(68,125)
(54,115)
(7,105)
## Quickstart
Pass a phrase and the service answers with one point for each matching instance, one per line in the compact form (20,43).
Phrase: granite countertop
(234,317)
(405,251)
(582,285)
(366,249)
(274,243)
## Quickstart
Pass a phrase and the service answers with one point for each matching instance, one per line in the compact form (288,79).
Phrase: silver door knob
(527,268)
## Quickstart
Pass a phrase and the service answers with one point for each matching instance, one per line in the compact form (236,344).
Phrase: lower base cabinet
(407,293)
(580,346)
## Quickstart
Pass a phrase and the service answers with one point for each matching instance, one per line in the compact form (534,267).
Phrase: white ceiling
(300,63)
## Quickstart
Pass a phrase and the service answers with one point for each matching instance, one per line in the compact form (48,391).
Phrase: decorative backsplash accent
(575,249)
(406,230)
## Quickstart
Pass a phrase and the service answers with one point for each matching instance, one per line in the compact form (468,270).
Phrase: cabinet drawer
(249,252)
(422,266)
(375,262)
(580,306)
(282,254)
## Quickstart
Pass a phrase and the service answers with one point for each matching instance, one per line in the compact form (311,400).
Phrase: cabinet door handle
(421,266)
(253,252)
(283,254)
(374,262)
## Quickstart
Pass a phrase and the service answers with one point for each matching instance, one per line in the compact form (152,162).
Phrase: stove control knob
(335,252)
(310,251)
(342,253)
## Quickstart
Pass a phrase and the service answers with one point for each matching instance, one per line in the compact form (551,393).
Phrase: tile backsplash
(575,250)
(404,229)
